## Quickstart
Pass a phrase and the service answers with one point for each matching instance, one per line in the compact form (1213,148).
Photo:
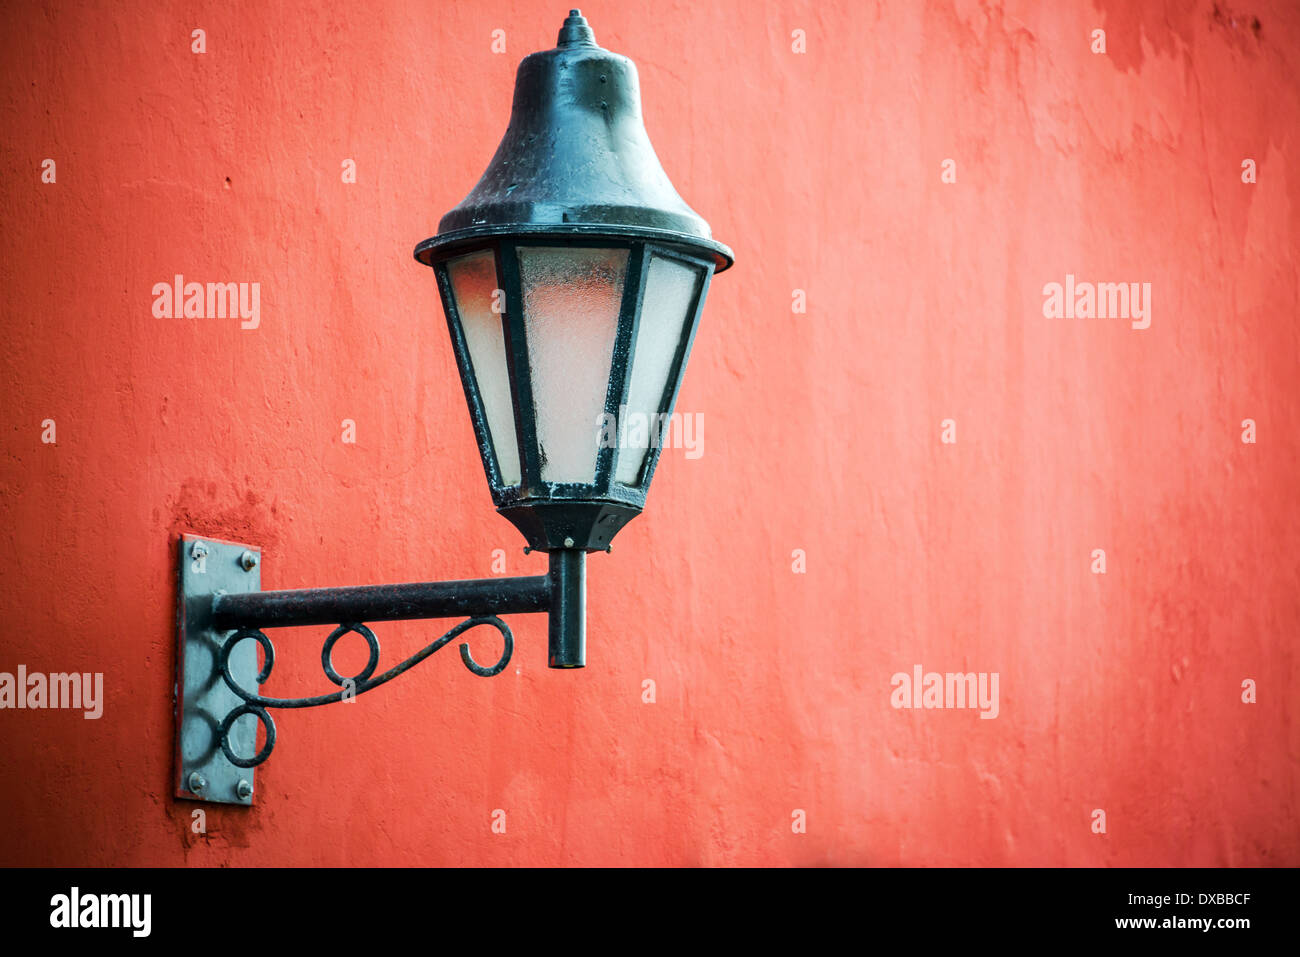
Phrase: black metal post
(562,592)
(568,622)
(329,606)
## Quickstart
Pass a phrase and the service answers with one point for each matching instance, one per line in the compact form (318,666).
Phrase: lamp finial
(575,31)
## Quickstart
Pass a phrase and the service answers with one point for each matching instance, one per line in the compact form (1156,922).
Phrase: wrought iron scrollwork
(359,683)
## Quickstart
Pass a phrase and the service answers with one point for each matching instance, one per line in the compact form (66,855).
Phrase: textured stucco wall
(822,432)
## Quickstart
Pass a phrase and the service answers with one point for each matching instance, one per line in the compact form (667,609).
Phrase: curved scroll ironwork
(362,681)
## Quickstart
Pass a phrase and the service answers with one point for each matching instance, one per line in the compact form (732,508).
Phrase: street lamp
(572,277)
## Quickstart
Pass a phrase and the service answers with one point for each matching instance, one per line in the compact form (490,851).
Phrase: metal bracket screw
(244,789)
(248,560)
(198,783)
(199,550)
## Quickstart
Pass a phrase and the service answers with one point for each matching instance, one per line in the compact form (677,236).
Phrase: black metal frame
(555,515)
(561,594)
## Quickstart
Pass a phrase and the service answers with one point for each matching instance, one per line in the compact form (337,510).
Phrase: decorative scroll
(256,705)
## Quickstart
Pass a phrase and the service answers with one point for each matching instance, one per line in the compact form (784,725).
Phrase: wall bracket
(223,619)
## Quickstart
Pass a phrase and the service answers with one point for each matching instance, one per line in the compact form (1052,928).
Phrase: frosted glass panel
(669,289)
(474,282)
(571,304)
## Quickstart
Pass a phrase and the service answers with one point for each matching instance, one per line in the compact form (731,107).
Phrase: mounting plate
(209,566)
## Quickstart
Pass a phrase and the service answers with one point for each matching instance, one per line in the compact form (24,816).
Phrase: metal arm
(216,621)
(327,606)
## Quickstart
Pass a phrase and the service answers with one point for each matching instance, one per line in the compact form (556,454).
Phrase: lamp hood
(575,159)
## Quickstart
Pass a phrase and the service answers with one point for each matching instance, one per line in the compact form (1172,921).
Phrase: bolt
(198,549)
(568,543)
(244,789)
(248,560)
(198,783)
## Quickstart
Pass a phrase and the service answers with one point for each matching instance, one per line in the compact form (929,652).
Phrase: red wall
(822,432)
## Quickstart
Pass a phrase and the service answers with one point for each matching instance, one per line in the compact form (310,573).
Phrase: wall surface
(827,538)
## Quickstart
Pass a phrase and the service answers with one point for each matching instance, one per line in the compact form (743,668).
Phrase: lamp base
(562,525)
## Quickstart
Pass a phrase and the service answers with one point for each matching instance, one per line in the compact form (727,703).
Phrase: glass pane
(571,303)
(669,289)
(474,281)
